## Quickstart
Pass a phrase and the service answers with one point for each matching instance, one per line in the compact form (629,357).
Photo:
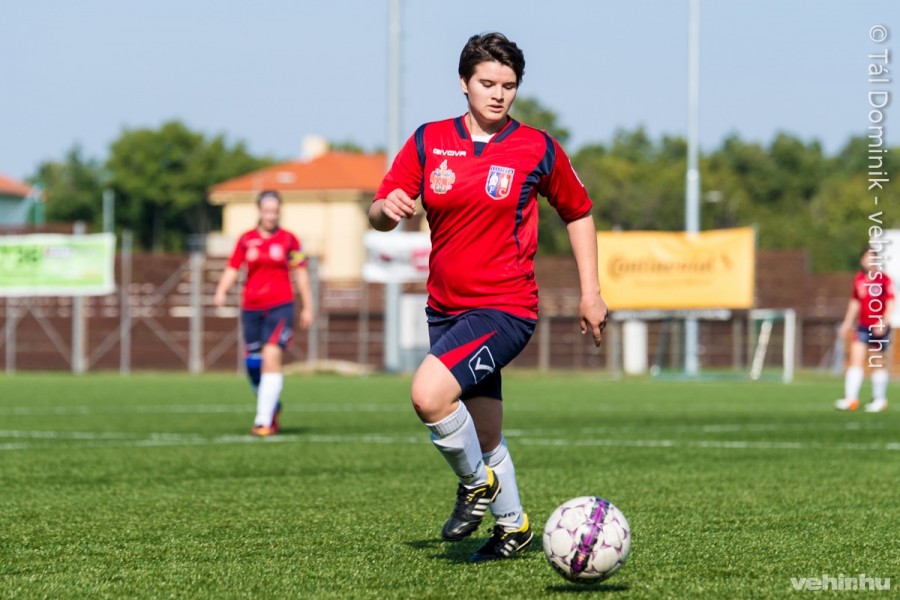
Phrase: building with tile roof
(15,202)
(325,203)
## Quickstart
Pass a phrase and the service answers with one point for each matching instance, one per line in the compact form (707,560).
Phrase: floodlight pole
(79,329)
(392,290)
(692,190)
(108,211)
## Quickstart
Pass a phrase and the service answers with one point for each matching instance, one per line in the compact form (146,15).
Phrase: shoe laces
(465,498)
(497,539)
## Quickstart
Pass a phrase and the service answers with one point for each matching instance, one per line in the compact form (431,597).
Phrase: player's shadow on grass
(457,552)
(294,430)
(588,588)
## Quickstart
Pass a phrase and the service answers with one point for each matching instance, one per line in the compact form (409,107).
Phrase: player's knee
(424,404)
(427,403)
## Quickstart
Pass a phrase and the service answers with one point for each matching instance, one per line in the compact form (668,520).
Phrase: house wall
(11,211)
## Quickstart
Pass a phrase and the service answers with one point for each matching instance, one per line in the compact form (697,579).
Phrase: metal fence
(162,318)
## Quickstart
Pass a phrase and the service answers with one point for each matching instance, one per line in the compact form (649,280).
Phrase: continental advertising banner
(57,265)
(676,270)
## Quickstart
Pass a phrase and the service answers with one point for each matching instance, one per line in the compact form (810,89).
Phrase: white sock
(456,439)
(879,383)
(853,381)
(270,385)
(507,508)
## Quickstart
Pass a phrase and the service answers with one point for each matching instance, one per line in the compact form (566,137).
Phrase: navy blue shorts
(271,326)
(476,344)
(864,335)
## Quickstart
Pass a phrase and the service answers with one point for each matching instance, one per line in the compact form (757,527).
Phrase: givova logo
(841,583)
(482,364)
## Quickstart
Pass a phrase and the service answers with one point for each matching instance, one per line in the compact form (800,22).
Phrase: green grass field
(149,486)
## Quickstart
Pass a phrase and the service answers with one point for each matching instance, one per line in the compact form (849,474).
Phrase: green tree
(72,188)
(838,223)
(346,146)
(636,183)
(161,177)
(531,112)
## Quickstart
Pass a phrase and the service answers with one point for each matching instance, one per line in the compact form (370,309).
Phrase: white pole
(790,336)
(78,325)
(108,211)
(692,191)
(125,306)
(393,99)
(312,337)
(195,341)
(12,317)
(392,290)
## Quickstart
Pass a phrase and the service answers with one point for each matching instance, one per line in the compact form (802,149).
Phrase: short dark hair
(267,194)
(489,47)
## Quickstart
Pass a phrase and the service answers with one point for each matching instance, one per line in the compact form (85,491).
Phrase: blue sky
(272,72)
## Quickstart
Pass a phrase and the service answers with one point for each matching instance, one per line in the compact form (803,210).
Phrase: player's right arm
(396,196)
(849,317)
(384,214)
(229,278)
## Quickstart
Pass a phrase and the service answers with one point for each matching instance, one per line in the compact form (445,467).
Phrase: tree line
(794,194)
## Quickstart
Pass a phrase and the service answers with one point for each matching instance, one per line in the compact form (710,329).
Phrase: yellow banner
(674,270)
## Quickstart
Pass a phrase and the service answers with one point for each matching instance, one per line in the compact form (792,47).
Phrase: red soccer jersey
(483,212)
(269,261)
(873,294)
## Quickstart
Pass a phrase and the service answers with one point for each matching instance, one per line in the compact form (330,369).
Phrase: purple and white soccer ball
(587,539)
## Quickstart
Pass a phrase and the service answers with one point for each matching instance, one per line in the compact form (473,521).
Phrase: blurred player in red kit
(868,317)
(270,254)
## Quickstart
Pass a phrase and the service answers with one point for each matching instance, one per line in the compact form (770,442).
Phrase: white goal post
(767,319)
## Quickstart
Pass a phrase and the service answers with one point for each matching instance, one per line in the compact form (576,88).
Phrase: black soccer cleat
(471,504)
(504,544)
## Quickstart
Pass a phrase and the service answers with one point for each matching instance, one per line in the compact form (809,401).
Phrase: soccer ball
(587,539)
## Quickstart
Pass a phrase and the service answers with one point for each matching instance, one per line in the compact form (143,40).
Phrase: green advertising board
(57,265)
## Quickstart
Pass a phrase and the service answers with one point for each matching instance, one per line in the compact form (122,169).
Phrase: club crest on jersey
(442,179)
(499,182)
(276,252)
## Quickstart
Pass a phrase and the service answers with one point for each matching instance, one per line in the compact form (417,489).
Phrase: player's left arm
(882,329)
(297,262)
(304,287)
(567,195)
(592,309)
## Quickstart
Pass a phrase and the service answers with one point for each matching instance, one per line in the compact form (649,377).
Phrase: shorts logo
(482,364)
(442,179)
(499,182)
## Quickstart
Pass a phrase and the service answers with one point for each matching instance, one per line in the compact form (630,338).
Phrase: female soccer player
(479,176)
(267,307)
(869,313)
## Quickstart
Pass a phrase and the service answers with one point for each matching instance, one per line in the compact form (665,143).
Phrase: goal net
(773,334)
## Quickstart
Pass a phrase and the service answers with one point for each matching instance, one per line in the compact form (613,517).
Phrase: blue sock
(254,367)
